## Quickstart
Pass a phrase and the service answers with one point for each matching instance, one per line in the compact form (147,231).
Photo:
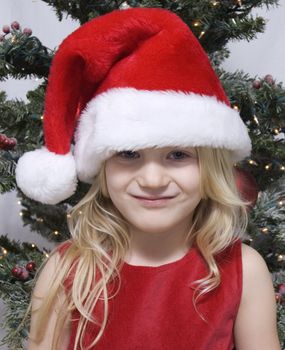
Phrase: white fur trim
(45,176)
(127,118)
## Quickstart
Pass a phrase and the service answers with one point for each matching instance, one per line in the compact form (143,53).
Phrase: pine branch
(267,225)
(23,56)
(16,292)
(218,21)
(7,174)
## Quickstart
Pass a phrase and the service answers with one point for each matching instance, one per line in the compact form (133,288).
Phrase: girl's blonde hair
(100,241)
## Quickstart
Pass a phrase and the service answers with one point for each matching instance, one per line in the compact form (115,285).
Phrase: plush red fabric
(153,309)
(141,48)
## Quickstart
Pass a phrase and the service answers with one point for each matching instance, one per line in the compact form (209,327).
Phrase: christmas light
(280,257)
(215,3)
(21,214)
(201,34)
(40,220)
(276,131)
(80,212)
(280,203)
(236,108)
(196,24)
(264,230)
(33,245)
(252,162)
(19,202)
(239,2)
(4,251)
(56,232)
(42,117)
(255,119)
(268,166)
(282,167)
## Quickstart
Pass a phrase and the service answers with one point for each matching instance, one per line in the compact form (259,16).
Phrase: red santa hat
(127,80)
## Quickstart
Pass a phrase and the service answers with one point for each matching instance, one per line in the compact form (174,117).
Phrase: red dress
(154,311)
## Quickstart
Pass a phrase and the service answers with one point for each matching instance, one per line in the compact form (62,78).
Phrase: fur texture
(45,176)
(127,119)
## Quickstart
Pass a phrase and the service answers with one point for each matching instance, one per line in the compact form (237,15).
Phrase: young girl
(156,259)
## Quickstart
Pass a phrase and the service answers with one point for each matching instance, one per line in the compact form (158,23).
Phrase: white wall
(264,55)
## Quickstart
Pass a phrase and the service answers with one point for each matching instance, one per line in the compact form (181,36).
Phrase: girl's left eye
(181,155)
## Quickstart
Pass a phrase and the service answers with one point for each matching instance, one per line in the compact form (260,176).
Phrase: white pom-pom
(45,176)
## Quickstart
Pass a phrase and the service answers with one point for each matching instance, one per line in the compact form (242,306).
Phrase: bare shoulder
(253,262)
(256,324)
(46,275)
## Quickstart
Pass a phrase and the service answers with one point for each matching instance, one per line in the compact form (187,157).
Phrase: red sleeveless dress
(153,309)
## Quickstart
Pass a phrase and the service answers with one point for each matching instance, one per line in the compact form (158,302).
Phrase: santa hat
(127,80)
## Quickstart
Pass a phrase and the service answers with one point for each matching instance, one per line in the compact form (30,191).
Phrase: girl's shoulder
(257,310)
(252,261)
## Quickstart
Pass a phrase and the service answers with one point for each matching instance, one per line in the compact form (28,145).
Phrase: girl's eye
(132,154)
(126,154)
(181,155)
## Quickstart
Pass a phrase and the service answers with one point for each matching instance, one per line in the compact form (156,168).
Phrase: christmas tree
(260,178)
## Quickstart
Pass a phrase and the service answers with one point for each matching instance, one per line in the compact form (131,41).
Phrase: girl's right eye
(126,154)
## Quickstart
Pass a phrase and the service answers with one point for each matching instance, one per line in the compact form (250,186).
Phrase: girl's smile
(154,203)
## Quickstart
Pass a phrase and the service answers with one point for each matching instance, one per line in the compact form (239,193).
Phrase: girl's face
(155,172)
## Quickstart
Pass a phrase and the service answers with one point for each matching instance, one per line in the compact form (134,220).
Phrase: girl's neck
(155,249)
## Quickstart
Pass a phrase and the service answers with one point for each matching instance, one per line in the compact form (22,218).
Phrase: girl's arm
(256,324)
(41,289)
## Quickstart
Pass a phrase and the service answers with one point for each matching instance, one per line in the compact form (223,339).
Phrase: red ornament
(31,266)
(6,29)
(256,84)
(269,79)
(15,25)
(20,273)
(27,31)
(2,137)
(16,271)
(7,143)
(247,186)
(12,142)
(24,274)
(281,289)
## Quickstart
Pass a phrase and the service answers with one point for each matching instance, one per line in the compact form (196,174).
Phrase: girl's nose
(153,175)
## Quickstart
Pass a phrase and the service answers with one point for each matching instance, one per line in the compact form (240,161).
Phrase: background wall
(261,56)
